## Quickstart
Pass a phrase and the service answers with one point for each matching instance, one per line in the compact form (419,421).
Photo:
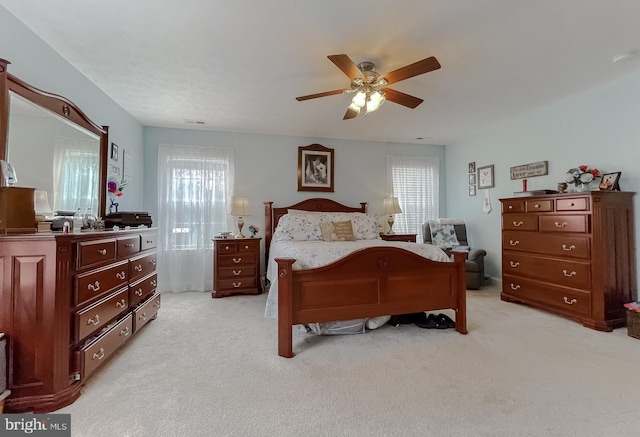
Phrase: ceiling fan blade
(344,63)
(411,70)
(326,93)
(402,98)
(350,114)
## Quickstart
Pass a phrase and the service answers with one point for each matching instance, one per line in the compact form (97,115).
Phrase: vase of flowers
(580,177)
(115,189)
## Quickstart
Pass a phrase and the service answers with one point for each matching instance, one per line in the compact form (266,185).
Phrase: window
(414,181)
(195,185)
(76,173)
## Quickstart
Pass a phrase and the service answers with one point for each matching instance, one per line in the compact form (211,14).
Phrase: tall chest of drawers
(236,266)
(572,254)
(68,302)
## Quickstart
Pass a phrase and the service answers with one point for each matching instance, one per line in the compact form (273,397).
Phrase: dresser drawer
(513,205)
(142,265)
(564,223)
(546,244)
(96,252)
(90,319)
(568,273)
(236,283)
(520,222)
(237,271)
(139,290)
(146,312)
(568,301)
(239,259)
(573,204)
(99,350)
(128,246)
(148,241)
(544,205)
(97,282)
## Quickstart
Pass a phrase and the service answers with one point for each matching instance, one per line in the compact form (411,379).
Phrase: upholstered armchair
(475,258)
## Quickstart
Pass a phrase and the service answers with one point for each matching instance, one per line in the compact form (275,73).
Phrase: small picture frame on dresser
(609,181)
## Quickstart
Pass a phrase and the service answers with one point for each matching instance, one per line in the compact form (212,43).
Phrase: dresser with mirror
(68,301)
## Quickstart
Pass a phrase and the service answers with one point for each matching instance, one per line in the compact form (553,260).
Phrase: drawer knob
(94,287)
(138,268)
(237,284)
(153,283)
(510,206)
(514,243)
(138,292)
(567,274)
(572,204)
(246,247)
(237,272)
(237,260)
(561,225)
(125,332)
(121,275)
(226,247)
(121,303)
(514,286)
(518,224)
(143,316)
(102,252)
(537,206)
(128,245)
(153,262)
(94,322)
(569,302)
(149,241)
(156,304)
(514,264)
(568,249)
(99,355)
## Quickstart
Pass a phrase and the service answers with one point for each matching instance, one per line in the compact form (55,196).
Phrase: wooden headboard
(272,215)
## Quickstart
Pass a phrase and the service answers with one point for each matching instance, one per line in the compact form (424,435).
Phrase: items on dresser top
(82,297)
(572,254)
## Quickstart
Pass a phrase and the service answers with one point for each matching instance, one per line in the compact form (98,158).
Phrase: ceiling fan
(371,87)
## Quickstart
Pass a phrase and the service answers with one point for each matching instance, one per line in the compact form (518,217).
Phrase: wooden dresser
(572,253)
(68,302)
(236,266)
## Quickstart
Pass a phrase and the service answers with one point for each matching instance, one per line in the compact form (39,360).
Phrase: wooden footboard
(370,282)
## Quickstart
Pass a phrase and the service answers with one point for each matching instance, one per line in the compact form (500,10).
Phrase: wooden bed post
(268,230)
(461,304)
(285,307)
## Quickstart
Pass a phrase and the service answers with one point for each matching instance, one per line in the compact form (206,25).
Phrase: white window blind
(414,181)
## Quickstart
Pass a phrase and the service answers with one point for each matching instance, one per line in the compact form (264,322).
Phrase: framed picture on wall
(315,168)
(485,177)
(114,151)
(472,179)
(472,167)
(472,190)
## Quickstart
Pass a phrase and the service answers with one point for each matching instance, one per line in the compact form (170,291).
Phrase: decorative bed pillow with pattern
(365,226)
(337,231)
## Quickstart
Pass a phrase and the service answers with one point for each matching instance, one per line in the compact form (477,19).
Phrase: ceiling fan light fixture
(354,107)
(360,99)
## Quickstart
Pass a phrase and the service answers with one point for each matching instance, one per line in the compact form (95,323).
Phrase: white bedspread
(310,254)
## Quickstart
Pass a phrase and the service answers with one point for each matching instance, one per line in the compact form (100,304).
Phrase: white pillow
(443,236)
(300,227)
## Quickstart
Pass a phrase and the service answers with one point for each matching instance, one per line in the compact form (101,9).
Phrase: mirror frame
(60,106)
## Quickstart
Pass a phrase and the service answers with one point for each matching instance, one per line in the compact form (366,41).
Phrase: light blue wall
(35,62)
(266,167)
(599,128)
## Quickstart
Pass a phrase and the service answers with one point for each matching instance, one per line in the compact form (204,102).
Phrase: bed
(378,278)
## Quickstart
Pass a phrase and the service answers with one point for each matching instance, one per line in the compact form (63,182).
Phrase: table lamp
(391,207)
(41,204)
(239,208)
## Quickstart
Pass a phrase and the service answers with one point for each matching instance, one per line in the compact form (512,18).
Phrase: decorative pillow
(337,231)
(365,226)
(301,227)
(443,236)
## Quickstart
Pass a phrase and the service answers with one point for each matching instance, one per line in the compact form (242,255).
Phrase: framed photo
(609,181)
(472,190)
(114,151)
(472,179)
(472,167)
(485,177)
(315,168)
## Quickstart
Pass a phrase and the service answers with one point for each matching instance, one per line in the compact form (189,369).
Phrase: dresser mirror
(53,146)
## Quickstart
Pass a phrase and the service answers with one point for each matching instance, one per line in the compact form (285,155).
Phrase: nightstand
(236,266)
(411,238)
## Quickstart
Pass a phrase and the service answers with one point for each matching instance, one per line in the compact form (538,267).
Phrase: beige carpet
(209,367)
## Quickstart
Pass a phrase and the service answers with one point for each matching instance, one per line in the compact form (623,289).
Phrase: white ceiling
(238,65)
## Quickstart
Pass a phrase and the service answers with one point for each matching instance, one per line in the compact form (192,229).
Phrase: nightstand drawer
(237,283)
(238,259)
(238,271)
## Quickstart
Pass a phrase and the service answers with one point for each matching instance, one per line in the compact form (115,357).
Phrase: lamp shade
(41,203)
(391,206)
(239,205)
